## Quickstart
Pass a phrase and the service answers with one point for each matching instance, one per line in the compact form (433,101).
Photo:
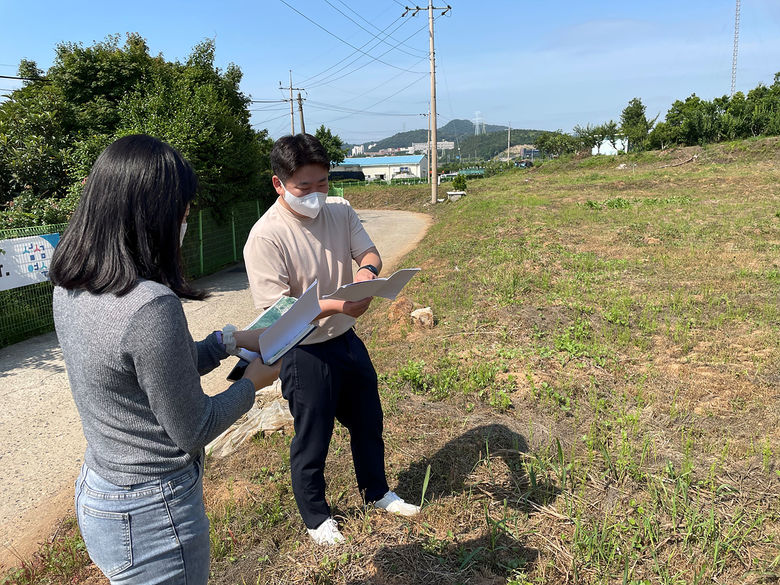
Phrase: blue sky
(543,65)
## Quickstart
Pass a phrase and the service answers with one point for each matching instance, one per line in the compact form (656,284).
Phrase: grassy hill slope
(597,402)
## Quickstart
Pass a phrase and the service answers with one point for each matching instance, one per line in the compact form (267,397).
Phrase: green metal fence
(208,246)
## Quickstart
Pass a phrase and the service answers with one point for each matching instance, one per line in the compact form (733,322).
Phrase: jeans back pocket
(107,536)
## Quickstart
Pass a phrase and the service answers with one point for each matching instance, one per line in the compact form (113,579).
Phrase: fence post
(200,239)
(233,229)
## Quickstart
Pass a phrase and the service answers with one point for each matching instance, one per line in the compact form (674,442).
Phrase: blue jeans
(152,532)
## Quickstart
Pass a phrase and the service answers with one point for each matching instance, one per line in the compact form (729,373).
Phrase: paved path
(42,444)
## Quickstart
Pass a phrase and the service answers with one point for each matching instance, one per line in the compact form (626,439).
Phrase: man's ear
(277,183)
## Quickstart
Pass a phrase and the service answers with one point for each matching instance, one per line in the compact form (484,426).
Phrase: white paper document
(379,287)
(291,327)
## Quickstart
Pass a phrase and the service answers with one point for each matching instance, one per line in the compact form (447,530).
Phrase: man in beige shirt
(306,236)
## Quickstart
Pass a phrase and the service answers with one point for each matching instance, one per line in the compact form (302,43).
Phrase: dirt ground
(43,444)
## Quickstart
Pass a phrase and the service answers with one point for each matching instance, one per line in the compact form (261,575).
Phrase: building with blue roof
(386,168)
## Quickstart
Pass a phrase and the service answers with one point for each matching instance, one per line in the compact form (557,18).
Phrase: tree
(662,136)
(556,143)
(33,154)
(588,136)
(332,143)
(694,121)
(212,131)
(53,129)
(634,124)
(459,183)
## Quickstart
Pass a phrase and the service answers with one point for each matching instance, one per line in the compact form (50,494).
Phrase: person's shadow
(490,463)
(490,459)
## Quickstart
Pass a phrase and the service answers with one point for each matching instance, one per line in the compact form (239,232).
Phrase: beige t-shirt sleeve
(266,271)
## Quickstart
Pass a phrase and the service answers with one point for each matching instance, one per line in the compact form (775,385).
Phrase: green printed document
(291,324)
(271,314)
(286,323)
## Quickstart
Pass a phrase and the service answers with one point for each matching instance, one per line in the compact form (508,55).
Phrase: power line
(269,120)
(331,79)
(23,78)
(382,100)
(383,40)
(340,39)
(335,108)
(383,84)
(309,79)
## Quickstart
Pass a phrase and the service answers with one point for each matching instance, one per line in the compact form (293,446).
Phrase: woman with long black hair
(134,370)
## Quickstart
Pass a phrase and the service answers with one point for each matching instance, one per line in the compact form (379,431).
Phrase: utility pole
(433,122)
(300,111)
(508,138)
(292,105)
(428,149)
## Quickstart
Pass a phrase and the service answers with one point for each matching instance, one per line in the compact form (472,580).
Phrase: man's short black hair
(290,153)
(126,225)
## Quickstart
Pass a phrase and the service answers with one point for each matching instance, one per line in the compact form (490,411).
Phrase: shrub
(459,183)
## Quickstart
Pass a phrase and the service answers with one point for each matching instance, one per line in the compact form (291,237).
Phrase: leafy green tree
(634,124)
(662,136)
(556,143)
(332,144)
(52,130)
(201,112)
(588,136)
(33,165)
(694,121)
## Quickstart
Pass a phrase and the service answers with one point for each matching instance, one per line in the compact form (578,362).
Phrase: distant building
(390,151)
(358,150)
(621,145)
(386,168)
(440,145)
(526,151)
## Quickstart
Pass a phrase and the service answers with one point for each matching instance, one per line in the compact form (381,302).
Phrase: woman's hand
(248,339)
(260,374)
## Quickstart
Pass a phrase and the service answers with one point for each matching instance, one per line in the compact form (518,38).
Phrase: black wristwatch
(371,268)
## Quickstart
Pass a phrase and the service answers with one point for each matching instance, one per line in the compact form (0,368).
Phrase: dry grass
(597,402)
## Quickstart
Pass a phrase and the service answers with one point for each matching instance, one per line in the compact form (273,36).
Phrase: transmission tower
(736,47)
(479,124)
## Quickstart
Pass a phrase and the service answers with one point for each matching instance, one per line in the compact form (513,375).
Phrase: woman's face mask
(308,205)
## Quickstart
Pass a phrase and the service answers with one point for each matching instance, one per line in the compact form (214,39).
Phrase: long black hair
(127,223)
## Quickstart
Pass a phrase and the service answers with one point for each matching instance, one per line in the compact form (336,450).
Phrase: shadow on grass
(488,462)
(455,469)
(488,559)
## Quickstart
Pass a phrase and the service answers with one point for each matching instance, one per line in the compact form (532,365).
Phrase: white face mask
(308,205)
(182,231)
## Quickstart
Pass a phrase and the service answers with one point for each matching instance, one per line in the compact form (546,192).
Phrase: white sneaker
(327,533)
(396,505)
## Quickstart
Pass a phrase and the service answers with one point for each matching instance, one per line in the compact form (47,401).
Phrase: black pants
(324,381)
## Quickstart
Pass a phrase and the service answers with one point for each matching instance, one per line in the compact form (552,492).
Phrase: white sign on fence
(25,261)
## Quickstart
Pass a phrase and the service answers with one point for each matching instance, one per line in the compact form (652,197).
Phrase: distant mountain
(482,146)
